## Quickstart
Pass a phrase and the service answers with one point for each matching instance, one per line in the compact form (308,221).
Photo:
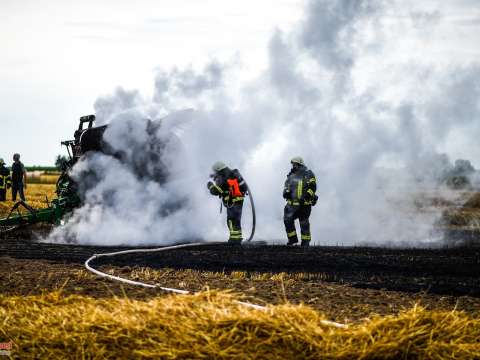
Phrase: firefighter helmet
(218,166)
(297,160)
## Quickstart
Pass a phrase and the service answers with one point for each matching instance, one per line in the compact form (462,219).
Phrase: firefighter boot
(292,238)
(306,240)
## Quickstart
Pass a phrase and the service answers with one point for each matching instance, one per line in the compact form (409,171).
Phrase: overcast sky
(58,57)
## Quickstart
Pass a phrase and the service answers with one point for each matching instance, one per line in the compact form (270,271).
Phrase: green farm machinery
(86,138)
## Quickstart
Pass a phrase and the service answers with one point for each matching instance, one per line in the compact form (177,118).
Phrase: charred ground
(346,283)
(446,271)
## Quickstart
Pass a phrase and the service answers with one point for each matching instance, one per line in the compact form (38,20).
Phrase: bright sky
(58,56)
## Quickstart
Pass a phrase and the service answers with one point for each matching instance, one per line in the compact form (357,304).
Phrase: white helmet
(218,166)
(297,160)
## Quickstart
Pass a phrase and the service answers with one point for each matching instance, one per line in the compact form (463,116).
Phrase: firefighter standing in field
(299,191)
(5,181)
(231,188)
(19,178)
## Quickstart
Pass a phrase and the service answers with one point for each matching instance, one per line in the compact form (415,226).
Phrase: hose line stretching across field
(158,286)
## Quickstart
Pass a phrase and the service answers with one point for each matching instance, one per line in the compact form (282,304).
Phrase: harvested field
(461,224)
(338,301)
(52,307)
(473,202)
(358,281)
(411,303)
(42,177)
(442,271)
(211,325)
(35,194)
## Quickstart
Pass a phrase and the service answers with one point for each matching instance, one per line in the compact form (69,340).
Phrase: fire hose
(254,219)
(167,289)
(182,246)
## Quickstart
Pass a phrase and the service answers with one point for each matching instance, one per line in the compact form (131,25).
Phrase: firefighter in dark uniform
(5,180)
(231,188)
(299,191)
(19,178)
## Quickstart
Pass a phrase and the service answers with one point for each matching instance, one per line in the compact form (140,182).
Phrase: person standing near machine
(230,186)
(19,178)
(299,191)
(5,181)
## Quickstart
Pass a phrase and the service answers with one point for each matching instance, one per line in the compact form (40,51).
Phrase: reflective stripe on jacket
(5,179)
(300,187)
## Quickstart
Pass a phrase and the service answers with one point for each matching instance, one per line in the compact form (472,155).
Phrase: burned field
(347,283)
(390,295)
(387,303)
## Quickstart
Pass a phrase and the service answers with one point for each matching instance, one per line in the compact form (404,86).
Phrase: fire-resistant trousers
(302,213)
(234,222)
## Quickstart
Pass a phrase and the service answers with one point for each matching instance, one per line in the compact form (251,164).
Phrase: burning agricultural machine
(86,138)
(159,138)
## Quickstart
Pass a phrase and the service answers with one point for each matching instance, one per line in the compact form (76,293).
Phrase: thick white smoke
(369,124)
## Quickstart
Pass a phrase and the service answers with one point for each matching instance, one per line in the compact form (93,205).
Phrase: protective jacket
(229,185)
(300,187)
(5,180)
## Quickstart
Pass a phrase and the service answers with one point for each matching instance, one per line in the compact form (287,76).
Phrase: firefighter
(19,178)
(299,192)
(5,180)
(231,188)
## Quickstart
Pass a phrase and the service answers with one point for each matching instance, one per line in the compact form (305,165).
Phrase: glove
(226,201)
(209,185)
(286,195)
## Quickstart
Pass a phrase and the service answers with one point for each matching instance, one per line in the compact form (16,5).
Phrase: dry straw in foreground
(210,325)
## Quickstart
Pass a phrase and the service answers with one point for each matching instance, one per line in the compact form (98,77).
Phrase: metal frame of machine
(67,196)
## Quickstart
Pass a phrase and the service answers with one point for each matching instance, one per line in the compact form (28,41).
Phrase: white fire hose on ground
(158,286)
(182,246)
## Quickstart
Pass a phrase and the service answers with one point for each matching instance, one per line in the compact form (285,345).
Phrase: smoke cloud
(370,125)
